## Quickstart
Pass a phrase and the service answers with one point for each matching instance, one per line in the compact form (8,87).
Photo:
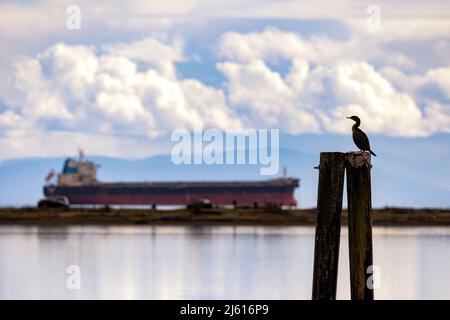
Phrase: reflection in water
(219,262)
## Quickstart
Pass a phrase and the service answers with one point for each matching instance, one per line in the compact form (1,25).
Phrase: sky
(131,74)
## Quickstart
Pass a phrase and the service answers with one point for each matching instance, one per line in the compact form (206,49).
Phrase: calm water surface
(217,262)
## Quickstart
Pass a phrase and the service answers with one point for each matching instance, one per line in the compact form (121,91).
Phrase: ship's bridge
(77,173)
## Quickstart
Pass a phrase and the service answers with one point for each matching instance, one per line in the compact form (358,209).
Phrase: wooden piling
(328,225)
(359,224)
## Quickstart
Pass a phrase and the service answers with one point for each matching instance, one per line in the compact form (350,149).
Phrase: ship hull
(242,194)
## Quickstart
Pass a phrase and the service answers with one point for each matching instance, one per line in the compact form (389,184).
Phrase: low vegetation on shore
(106,216)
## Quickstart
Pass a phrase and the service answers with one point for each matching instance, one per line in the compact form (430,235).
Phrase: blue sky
(120,84)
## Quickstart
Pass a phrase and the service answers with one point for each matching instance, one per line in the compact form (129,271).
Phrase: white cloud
(34,94)
(270,44)
(77,88)
(267,98)
(439,115)
(403,29)
(159,55)
(88,91)
(359,89)
(10,119)
(440,77)
(108,84)
(326,84)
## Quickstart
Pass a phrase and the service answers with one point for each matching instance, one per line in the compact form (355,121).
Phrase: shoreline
(294,217)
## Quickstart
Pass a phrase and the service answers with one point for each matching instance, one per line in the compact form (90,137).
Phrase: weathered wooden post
(358,167)
(328,225)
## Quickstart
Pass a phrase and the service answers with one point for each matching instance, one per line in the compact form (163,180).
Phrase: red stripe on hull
(247,199)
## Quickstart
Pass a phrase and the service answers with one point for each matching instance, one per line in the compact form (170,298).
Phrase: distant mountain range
(407,172)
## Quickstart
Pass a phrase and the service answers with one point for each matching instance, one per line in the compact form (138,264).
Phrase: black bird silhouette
(359,137)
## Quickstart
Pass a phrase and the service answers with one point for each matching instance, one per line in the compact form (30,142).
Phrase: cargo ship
(77,184)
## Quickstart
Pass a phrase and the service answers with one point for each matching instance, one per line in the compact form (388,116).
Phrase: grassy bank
(34,216)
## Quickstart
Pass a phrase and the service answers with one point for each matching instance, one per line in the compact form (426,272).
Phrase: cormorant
(359,137)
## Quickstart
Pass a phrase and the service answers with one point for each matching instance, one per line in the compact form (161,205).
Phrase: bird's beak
(349,118)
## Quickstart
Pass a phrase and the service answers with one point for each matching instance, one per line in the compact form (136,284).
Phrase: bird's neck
(356,125)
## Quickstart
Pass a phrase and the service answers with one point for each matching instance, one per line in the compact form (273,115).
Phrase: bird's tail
(373,153)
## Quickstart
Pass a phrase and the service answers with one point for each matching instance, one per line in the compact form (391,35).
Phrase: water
(214,262)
